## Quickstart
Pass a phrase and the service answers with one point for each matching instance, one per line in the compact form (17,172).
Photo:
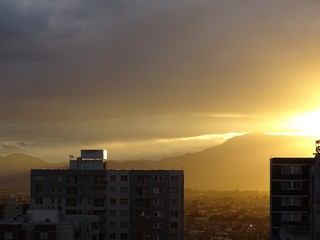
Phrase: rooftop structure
(90,160)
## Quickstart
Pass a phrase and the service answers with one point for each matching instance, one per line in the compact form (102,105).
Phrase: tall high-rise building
(131,204)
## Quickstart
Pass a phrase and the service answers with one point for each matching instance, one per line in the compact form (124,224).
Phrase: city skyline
(149,79)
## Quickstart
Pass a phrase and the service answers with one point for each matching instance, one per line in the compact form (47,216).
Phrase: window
(59,178)
(159,237)
(113,189)
(124,190)
(296,201)
(123,236)
(173,236)
(174,202)
(38,189)
(174,213)
(98,202)
(158,225)
(123,224)
(142,213)
(113,213)
(143,191)
(291,169)
(43,235)
(71,202)
(53,178)
(158,179)
(157,202)
(74,179)
(142,202)
(286,185)
(291,201)
(124,178)
(174,225)
(112,236)
(113,178)
(143,179)
(39,201)
(291,185)
(112,224)
(157,190)
(123,201)
(123,213)
(158,214)
(59,190)
(52,190)
(39,178)
(8,235)
(290,217)
(112,201)
(174,190)
(72,190)
(296,185)
(174,178)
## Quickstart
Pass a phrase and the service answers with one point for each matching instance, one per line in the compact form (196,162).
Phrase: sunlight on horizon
(223,137)
(306,124)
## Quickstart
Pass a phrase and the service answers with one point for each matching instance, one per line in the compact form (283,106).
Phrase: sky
(150,79)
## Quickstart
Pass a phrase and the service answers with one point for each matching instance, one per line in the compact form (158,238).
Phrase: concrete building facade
(295,197)
(290,194)
(131,204)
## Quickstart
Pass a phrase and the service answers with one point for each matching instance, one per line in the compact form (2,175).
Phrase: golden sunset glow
(307,124)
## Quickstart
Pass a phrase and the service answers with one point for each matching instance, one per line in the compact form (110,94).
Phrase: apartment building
(50,225)
(290,196)
(131,204)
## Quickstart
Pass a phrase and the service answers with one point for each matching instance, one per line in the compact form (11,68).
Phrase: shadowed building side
(290,195)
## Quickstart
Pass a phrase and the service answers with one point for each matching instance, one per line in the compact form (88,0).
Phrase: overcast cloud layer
(76,73)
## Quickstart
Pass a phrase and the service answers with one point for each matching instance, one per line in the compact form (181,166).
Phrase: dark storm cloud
(76,69)
(145,57)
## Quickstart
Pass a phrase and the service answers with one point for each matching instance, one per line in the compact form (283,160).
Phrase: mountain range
(241,162)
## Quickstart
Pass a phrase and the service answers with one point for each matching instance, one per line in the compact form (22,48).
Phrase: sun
(307,123)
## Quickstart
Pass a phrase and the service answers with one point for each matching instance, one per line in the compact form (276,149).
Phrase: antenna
(318,146)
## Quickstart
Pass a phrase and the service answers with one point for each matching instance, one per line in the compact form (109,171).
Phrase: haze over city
(150,79)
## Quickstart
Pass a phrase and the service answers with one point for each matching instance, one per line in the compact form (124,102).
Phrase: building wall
(289,192)
(118,204)
(132,204)
(71,191)
(13,230)
(73,227)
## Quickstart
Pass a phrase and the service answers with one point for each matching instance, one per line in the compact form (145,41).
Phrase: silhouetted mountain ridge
(15,169)
(241,162)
